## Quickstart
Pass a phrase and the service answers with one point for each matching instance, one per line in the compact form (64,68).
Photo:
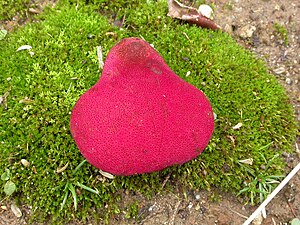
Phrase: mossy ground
(9,8)
(42,89)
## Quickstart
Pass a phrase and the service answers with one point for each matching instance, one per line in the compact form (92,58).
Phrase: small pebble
(90,36)
(247,31)
(285,154)
(288,81)
(16,211)
(25,162)
(203,209)
(255,40)
(279,70)
(153,208)
(228,28)
(206,11)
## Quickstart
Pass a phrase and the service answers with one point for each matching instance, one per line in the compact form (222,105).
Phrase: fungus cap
(140,117)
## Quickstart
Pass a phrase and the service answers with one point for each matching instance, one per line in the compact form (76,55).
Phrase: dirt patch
(270,29)
(260,26)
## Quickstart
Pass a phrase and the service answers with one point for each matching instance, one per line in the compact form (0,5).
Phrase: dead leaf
(232,139)
(3,207)
(34,11)
(34,169)
(24,47)
(106,174)
(215,116)
(238,126)
(62,169)
(26,100)
(191,15)
(258,219)
(25,162)
(16,210)
(247,161)
(114,35)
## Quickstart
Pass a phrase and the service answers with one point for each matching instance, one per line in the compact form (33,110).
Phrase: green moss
(9,8)
(41,90)
(229,6)
(281,31)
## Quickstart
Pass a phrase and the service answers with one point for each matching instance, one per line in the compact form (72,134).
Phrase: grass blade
(65,198)
(72,190)
(79,166)
(87,188)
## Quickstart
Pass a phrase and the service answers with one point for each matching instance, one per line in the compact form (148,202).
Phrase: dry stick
(165,181)
(239,214)
(162,187)
(297,148)
(292,209)
(100,57)
(272,195)
(174,213)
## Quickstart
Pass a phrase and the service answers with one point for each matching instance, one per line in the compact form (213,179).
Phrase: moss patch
(39,91)
(281,32)
(9,8)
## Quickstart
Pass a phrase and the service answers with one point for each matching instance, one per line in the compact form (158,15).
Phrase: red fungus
(140,117)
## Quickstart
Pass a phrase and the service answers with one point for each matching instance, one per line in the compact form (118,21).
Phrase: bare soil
(251,23)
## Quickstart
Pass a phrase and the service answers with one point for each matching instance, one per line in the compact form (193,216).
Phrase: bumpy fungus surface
(140,117)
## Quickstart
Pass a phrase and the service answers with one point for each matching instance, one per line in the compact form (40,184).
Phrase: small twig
(165,181)
(153,212)
(2,200)
(100,57)
(187,37)
(159,211)
(172,220)
(163,184)
(34,11)
(123,19)
(62,169)
(297,148)
(292,209)
(239,214)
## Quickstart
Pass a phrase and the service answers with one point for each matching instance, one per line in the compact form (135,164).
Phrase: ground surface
(240,18)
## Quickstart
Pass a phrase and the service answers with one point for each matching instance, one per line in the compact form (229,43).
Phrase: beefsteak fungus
(140,117)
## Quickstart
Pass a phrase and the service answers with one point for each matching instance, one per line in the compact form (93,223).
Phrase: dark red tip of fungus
(140,117)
